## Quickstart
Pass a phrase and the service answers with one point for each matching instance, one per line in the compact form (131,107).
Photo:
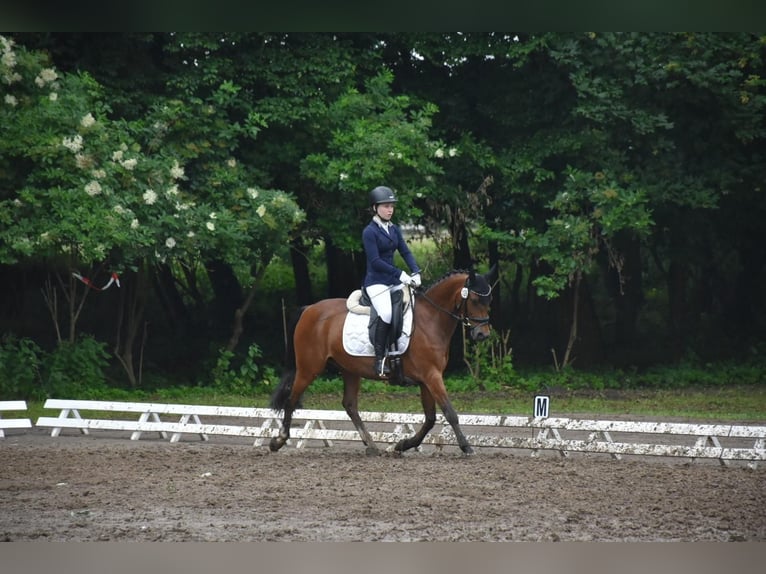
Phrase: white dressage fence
(724,442)
(13,423)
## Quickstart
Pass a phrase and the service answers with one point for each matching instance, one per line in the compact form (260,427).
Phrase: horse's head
(477,296)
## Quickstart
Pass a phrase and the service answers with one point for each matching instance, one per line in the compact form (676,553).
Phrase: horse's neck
(447,292)
(444,298)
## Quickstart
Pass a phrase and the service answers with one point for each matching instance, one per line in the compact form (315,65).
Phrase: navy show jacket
(380,248)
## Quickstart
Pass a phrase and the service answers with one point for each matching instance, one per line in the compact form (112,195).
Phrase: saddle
(362,317)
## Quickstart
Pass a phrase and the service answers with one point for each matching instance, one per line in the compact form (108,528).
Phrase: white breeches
(380,296)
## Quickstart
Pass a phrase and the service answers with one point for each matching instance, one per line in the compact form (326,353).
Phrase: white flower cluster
(451,152)
(46,76)
(150,196)
(8,62)
(119,157)
(73,144)
(87,120)
(93,188)
(176,172)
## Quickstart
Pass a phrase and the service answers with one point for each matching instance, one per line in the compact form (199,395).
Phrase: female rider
(381,239)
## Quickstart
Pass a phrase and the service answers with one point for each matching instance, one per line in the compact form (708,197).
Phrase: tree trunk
(461,251)
(343,274)
(298,250)
(748,294)
(133,294)
(575,320)
(629,294)
(498,315)
(228,295)
(169,296)
(677,278)
(239,313)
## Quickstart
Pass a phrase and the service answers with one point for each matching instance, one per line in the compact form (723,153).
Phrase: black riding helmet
(382,194)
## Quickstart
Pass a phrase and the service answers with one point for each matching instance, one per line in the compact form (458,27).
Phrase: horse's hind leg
(293,390)
(279,441)
(429,409)
(351,385)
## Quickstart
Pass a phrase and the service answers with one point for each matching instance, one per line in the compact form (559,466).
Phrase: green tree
(101,192)
(378,138)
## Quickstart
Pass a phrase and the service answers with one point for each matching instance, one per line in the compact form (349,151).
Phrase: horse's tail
(282,392)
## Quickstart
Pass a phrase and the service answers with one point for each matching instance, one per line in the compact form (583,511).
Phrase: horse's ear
(471,276)
(491,275)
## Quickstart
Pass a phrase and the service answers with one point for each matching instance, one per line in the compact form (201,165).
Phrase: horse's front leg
(435,384)
(429,409)
(452,419)
(351,385)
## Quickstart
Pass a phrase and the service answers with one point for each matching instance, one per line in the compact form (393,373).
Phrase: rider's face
(385,210)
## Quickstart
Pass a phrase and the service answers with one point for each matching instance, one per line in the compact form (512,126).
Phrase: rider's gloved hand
(415,280)
(404,278)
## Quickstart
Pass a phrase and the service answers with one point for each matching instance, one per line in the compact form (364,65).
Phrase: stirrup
(381,368)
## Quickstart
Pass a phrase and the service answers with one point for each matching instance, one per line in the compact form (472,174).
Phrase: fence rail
(13,423)
(724,442)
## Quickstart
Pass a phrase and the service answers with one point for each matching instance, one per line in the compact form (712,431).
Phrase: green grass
(743,403)
(740,403)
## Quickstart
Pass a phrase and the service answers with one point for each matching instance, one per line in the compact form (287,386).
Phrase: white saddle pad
(356,338)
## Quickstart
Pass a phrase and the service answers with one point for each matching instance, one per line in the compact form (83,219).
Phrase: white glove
(404,278)
(416,282)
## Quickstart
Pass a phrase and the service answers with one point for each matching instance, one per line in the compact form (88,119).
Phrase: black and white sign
(542,404)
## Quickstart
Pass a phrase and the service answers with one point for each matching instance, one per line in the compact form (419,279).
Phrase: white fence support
(14,423)
(724,442)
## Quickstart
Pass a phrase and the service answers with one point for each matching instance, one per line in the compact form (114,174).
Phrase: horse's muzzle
(480,332)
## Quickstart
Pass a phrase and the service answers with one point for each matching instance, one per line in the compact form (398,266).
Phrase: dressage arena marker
(541,406)
(13,423)
(592,436)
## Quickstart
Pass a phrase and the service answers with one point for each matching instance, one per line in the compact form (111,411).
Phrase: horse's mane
(449,274)
(481,279)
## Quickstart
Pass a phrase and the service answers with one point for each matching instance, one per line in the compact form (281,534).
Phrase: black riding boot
(380,343)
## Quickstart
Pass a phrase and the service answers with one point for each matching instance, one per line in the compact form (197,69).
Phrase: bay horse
(460,297)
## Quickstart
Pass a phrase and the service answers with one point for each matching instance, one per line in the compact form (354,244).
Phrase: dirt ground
(102,487)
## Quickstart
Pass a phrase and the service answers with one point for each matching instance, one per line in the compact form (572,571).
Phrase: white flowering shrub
(88,191)
(81,190)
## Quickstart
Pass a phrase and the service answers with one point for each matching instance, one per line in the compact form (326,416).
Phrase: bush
(76,370)
(490,363)
(246,379)
(20,364)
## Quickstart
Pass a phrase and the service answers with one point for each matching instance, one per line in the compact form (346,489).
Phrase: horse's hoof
(468,451)
(274,445)
(372,451)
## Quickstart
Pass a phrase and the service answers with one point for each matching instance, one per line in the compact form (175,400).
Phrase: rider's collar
(383,224)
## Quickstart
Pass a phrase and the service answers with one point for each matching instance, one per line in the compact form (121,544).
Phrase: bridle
(463,317)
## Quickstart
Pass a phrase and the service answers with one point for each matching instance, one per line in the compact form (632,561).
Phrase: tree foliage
(615,176)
